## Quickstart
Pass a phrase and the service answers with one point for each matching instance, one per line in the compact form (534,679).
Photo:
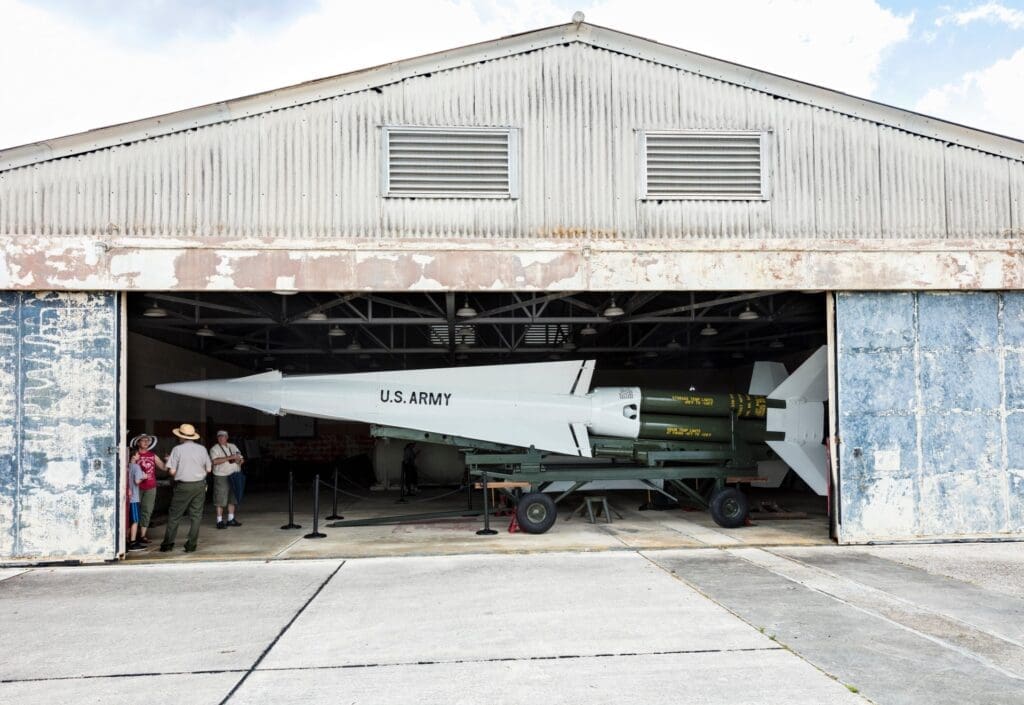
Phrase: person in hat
(189,464)
(143,446)
(227,460)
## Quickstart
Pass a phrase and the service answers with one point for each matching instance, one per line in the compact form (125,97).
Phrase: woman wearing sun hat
(189,464)
(144,445)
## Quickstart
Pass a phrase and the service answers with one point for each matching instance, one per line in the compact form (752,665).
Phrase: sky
(72,65)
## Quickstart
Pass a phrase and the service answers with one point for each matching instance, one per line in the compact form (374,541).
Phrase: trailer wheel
(536,513)
(729,507)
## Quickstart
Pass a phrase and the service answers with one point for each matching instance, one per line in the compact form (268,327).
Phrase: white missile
(546,405)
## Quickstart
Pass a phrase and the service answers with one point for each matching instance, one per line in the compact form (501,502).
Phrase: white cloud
(837,45)
(990,98)
(62,76)
(989,12)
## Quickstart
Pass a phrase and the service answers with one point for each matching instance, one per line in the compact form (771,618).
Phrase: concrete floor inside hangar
(263,514)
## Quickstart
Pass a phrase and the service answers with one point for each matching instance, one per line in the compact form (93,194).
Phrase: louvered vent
(449,162)
(546,333)
(703,165)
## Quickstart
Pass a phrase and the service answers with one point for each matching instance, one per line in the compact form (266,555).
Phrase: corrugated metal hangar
(570,193)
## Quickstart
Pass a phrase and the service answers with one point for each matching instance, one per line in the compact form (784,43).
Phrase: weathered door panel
(931,409)
(58,450)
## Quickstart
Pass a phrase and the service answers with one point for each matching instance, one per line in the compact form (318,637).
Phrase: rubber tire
(536,513)
(729,508)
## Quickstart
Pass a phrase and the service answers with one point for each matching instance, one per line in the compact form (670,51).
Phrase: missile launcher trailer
(696,457)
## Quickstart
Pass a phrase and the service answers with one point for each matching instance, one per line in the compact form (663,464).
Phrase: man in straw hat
(189,464)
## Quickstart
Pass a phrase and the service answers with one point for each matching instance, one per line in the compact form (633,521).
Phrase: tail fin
(803,420)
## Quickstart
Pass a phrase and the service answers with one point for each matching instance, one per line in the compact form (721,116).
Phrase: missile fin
(803,420)
(581,437)
(581,386)
(809,382)
(767,376)
(807,460)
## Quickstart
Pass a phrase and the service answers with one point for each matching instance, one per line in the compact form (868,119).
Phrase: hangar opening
(689,343)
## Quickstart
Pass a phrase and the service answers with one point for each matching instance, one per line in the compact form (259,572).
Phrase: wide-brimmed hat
(186,431)
(134,443)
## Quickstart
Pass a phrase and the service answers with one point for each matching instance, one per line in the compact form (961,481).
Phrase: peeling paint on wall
(58,397)
(265,264)
(931,412)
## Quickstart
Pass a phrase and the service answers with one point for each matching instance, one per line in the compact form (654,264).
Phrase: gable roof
(593,35)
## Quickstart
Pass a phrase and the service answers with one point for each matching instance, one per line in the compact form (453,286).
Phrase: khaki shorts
(223,495)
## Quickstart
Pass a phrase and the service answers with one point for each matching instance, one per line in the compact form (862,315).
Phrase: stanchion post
(315,533)
(291,504)
(401,486)
(487,530)
(334,513)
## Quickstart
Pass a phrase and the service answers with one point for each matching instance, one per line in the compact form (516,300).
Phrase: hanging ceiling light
(285,292)
(155,311)
(205,332)
(354,345)
(568,345)
(650,354)
(337,332)
(316,316)
(776,344)
(241,347)
(674,345)
(748,314)
(466,311)
(613,311)
(588,330)
(709,330)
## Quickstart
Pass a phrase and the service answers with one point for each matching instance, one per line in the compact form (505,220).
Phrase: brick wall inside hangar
(931,415)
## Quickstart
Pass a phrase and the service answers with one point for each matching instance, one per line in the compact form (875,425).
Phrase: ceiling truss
(322,332)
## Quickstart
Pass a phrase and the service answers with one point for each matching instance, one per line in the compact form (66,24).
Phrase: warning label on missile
(400,396)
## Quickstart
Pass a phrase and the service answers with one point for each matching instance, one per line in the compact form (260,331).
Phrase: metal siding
(58,391)
(792,186)
(913,185)
(578,129)
(644,96)
(312,171)
(977,193)
(1016,199)
(847,176)
(934,451)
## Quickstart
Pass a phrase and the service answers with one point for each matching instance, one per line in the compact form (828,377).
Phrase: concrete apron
(734,626)
(261,536)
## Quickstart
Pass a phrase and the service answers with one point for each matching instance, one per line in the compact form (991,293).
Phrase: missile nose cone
(260,391)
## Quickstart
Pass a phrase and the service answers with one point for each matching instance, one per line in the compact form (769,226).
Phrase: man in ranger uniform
(188,464)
